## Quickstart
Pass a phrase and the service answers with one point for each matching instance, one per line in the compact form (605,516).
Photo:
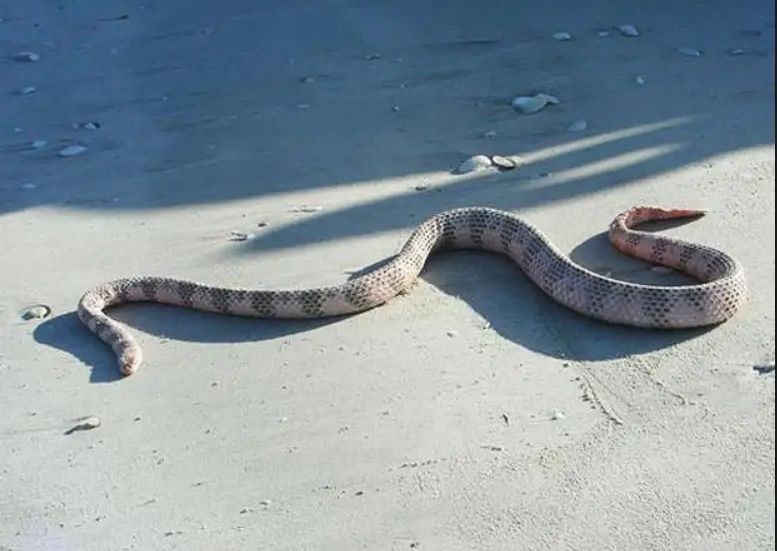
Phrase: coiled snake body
(719,295)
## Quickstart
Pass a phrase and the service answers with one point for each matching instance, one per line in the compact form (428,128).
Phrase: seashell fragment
(26,91)
(88,125)
(37,311)
(578,126)
(689,52)
(73,150)
(628,30)
(531,104)
(639,79)
(503,163)
(562,36)
(85,423)
(26,57)
(558,415)
(308,208)
(474,164)
(235,235)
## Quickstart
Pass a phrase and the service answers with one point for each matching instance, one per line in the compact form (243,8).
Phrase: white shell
(503,163)
(689,52)
(39,144)
(308,208)
(474,164)
(639,79)
(531,104)
(628,30)
(27,90)
(36,312)
(578,126)
(72,150)
(562,36)
(28,57)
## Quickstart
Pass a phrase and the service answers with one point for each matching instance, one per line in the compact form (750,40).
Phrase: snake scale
(720,293)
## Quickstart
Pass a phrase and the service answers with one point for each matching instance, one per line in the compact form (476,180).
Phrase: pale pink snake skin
(720,294)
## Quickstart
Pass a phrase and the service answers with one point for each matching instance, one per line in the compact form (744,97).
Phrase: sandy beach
(292,144)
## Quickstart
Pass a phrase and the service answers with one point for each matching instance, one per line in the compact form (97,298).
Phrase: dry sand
(472,413)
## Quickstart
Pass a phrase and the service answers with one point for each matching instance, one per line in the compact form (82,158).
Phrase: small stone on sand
(689,52)
(628,30)
(73,150)
(578,126)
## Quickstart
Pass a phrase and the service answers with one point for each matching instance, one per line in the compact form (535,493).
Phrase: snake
(720,292)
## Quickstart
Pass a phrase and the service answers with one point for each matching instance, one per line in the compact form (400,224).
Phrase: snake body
(720,293)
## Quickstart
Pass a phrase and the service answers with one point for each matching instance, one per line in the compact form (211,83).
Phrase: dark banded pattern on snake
(720,293)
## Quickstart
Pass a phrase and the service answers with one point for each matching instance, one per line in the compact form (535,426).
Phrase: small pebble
(689,52)
(421,187)
(474,164)
(27,57)
(262,224)
(27,90)
(395,109)
(308,80)
(603,34)
(489,134)
(578,126)
(39,144)
(37,311)
(541,175)
(265,502)
(373,56)
(452,333)
(72,150)
(737,51)
(562,36)
(628,30)
(558,415)
(532,104)
(639,79)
